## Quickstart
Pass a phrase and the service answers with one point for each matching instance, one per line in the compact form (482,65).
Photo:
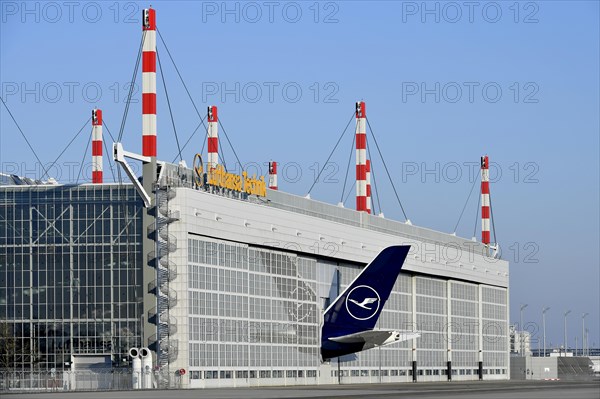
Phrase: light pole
(587,340)
(544,310)
(565,332)
(521,349)
(583,333)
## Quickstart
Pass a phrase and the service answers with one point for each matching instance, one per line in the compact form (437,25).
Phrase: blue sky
(444,84)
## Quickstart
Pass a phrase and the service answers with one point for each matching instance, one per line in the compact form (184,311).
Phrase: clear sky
(444,84)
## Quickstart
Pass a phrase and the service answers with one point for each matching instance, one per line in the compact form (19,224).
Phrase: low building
(520,342)
(551,368)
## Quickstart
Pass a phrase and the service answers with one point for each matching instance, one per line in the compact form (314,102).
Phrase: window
(265,374)
(209,375)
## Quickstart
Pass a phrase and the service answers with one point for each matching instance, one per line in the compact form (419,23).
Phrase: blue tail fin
(357,309)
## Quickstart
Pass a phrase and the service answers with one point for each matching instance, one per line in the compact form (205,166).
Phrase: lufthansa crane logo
(362,302)
(198,170)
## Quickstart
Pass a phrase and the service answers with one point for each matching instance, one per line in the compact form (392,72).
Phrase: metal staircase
(162,343)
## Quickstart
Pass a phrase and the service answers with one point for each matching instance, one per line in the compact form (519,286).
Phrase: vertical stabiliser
(349,321)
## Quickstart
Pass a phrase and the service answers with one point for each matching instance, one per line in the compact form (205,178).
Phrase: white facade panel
(217,360)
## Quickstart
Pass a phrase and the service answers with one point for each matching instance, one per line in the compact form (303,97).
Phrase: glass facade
(255,313)
(494,330)
(464,327)
(70,274)
(252,312)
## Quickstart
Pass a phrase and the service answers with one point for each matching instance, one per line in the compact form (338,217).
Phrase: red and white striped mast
(213,137)
(149,176)
(97,146)
(273,175)
(361,157)
(368,185)
(149,85)
(485,201)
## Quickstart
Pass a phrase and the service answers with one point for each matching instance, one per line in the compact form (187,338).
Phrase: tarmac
(438,390)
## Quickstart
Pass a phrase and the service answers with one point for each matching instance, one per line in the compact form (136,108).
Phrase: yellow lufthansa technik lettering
(218,177)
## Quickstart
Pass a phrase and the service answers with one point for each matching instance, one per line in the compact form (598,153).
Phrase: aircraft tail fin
(358,307)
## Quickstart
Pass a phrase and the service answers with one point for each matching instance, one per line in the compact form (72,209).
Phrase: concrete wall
(543,368)
(533,368)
